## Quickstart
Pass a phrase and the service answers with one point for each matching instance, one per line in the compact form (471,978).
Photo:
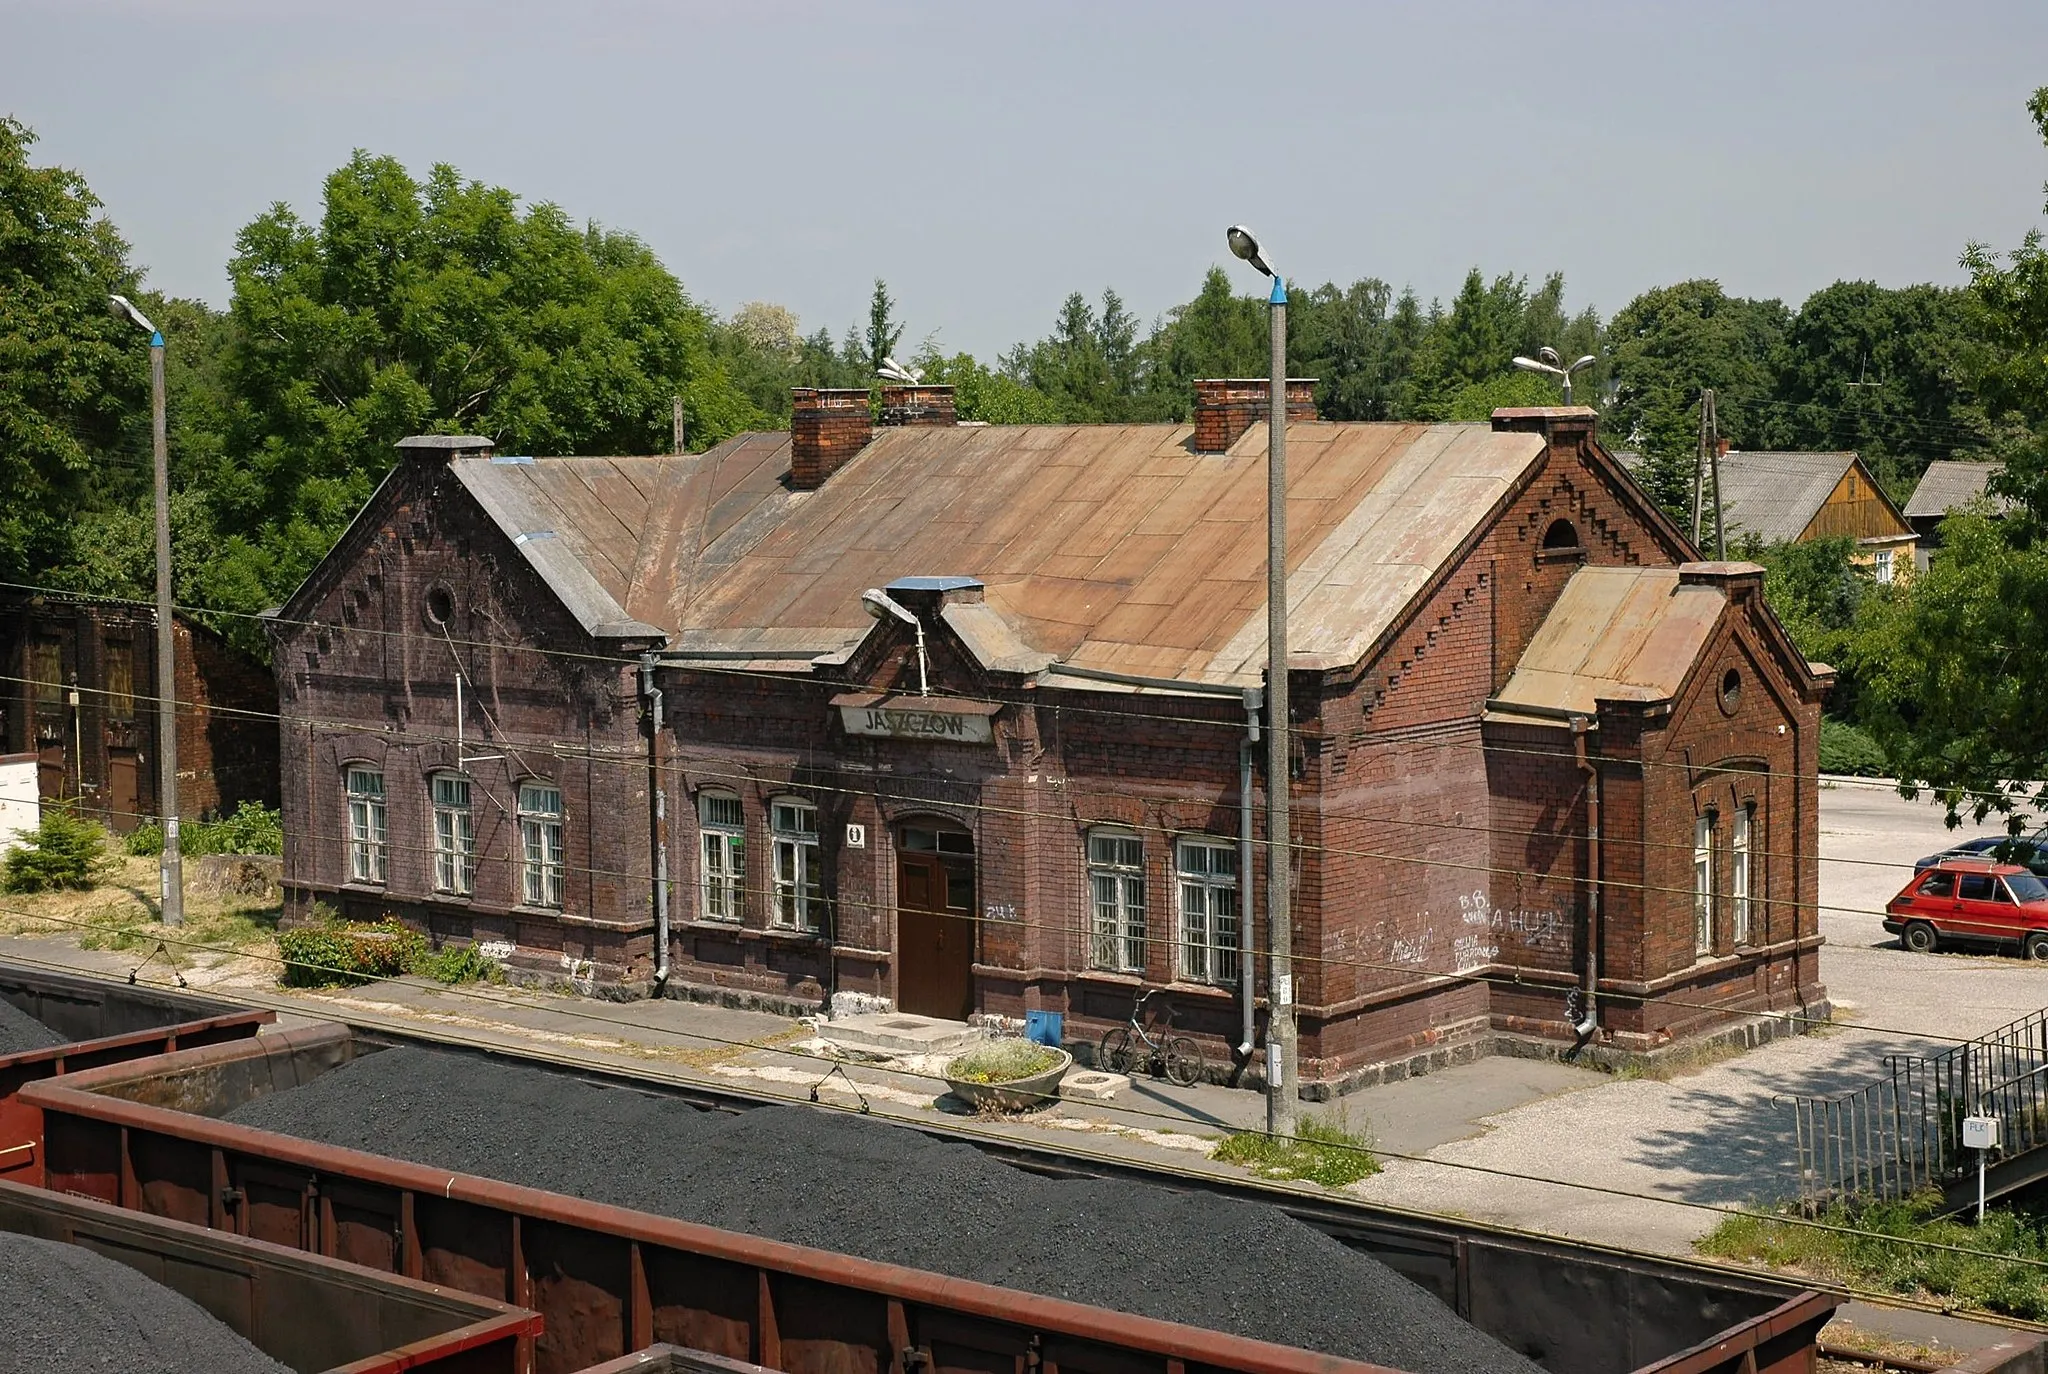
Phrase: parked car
(2030,851)
(1971,901)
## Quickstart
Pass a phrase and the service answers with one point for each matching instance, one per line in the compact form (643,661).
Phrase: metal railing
(1902,1132)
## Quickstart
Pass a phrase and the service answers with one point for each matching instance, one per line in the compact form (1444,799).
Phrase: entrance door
(123,802)
(935,923)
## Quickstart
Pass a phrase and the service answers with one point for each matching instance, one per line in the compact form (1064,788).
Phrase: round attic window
(1731,691)
(440,605)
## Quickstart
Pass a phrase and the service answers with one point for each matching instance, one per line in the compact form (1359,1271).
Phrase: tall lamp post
(1547,361)
(1282,1057)
(170,869)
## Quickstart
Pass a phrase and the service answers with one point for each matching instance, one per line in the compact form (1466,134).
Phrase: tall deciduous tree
(74,383)
(435,306)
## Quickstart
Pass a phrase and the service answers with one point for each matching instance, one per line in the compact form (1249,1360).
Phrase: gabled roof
(1776,495)
(1107,546)
(1946,485)
(1616,634)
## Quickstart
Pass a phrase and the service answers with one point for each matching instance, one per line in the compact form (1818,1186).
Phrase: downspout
(1254,702)
(1587,1023)
(650,692)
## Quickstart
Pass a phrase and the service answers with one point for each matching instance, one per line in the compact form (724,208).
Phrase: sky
(988,159)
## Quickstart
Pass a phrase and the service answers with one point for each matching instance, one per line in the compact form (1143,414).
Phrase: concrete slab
(1093,1084)
(897,1032)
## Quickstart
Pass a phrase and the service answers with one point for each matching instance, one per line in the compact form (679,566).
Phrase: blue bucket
(1043,1027)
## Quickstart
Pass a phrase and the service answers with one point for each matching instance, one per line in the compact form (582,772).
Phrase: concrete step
(897,1032)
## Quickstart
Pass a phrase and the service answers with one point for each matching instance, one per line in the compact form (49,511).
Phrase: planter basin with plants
(1008,1075)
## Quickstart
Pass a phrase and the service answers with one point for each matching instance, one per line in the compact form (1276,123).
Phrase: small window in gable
(1562,534)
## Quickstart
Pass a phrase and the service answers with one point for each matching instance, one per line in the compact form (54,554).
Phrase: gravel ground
(1717,1135)
(20,1032)
(879,1191)
(69,1310)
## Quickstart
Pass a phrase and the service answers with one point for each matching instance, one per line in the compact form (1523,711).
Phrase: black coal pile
(885,1193)
(20,1032)
(68,1309)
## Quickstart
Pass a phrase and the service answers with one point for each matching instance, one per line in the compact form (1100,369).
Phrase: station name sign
(945,719)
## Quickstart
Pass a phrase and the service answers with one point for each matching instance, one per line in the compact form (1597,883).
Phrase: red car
(1971,901)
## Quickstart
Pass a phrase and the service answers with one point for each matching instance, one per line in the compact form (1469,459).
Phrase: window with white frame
(1740,873)
(540,844)
(1884,567)
(1206,872)
(723,874)
(799,893)
(1116,880)
(366,851)
(454,835)
(1703,885)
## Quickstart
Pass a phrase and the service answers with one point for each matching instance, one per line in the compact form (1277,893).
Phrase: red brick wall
(827,426)
(1225,407)
(374,683)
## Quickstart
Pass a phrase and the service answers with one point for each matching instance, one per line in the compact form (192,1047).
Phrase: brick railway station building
(1547,765)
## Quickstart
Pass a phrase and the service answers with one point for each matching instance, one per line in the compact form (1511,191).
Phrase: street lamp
(1546,360)
(1282,1058)
(170,868)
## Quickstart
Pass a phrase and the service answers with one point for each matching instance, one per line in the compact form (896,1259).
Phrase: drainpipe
(650,692)
(1254,701)
(1587,1023)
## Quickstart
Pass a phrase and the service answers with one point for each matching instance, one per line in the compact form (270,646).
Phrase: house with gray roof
(1946,485)
(1790,498)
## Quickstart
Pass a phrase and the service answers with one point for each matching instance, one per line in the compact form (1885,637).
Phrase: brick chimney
(827,426)
(919,404)
(1225,407)
(444,448)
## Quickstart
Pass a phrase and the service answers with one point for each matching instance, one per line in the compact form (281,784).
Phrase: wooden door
(934,944)
(123,800)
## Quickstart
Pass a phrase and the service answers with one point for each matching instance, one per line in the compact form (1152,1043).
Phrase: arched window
(366,852)
(721,826)
(1561,534)
(540,843)
(454,835)
(799,867)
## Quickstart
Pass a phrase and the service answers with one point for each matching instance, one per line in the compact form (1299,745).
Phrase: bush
(1846,749)
(332,952)
(336,952)
(252,829)
(64,851)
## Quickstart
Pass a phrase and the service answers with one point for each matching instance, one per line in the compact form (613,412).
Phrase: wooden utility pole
(677,444)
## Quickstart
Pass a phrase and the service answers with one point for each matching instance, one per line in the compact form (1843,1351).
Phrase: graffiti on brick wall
(1475,938)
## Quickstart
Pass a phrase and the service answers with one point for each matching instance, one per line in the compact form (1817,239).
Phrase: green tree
(434,306)
(74,382)
(1668,344)
(1819,590)
(1955,666)
(884,333)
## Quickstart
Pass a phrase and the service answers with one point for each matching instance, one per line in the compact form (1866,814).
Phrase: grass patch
(1875,1258)
(251,829)
(1321,1152)
(1002,1061)
(241,929)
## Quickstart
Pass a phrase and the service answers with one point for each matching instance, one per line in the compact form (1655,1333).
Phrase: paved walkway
(1712,1136)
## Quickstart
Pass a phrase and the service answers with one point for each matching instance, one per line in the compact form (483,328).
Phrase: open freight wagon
(611,1281)
(101,1022)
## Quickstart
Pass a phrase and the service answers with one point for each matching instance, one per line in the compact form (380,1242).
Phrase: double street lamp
(1547,361)
(170,869)
(1282,1058)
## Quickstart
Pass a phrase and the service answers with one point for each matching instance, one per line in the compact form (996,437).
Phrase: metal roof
(1776,495)
(1616,634)
(1946,485)
(1107,546)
